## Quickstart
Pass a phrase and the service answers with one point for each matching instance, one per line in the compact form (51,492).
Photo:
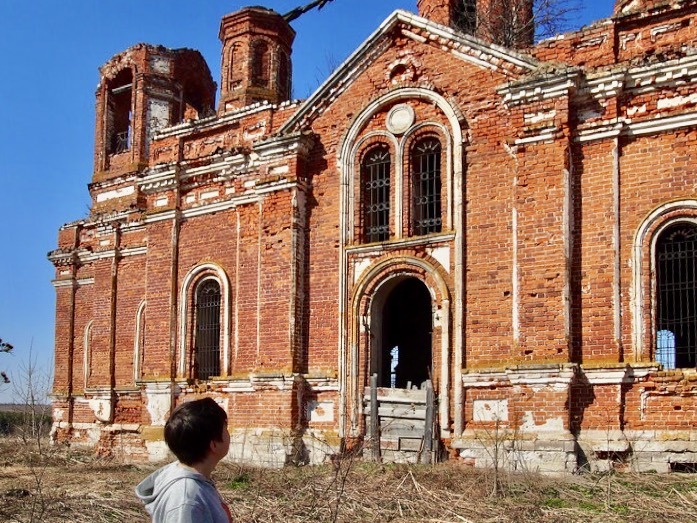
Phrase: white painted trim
(192,277)
(115,193)
(515,268)
(212,122)
(354,390)
(667,123)
(86,353)
(136,342)
(58,284)
(252,196)
(345,164)
(88,257)
(616,243)
(260,271)
(377,249)
(628,128)
(544,137)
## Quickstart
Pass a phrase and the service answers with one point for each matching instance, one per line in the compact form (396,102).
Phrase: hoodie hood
(152,489)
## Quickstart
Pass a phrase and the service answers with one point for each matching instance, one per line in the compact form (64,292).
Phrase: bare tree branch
(299,11)
(516,23)
(5,347)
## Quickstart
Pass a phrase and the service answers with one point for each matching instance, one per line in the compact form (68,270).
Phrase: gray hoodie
(174,494)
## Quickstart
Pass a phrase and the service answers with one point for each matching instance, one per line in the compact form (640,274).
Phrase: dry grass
(60,486)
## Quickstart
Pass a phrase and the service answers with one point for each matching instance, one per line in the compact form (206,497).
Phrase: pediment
(465,48)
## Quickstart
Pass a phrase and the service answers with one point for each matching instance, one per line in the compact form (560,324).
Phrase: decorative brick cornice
(226,165)
(213,123)
(161,178)
(62,257)
(540,87)
(298,143)
(462,46)
(552,374)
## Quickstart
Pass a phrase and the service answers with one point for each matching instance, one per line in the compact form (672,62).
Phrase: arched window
(426,186)
(118,132)
(375,181)
(676,292)
(261,62)
(233,68)
(87,353)
(206,354)
(139,343)
(283,81)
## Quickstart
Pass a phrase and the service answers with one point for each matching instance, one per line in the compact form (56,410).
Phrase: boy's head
(192,427)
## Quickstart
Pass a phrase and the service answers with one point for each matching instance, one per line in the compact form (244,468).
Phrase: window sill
(401,243)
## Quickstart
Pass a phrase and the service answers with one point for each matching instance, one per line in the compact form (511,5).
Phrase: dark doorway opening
(406,353)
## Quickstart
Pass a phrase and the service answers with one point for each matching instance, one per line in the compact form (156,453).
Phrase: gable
(462,47)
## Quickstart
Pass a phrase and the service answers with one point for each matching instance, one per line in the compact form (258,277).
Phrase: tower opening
(119,113)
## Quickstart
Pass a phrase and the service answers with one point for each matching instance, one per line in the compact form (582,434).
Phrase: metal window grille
(426,187)
(207,347)
(376,195)
(676,282)
(120,101)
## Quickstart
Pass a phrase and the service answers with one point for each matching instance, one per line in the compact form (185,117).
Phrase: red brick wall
(549,216)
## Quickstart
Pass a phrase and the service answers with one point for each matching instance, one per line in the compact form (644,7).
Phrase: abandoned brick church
(516,222)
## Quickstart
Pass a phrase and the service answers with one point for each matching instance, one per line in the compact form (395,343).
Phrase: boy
(182,492)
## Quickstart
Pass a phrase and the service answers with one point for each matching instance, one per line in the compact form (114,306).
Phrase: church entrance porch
(399,402)
(400,379)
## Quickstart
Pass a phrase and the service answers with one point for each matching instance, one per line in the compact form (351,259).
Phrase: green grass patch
(555,503)
(620,509)
(240,481)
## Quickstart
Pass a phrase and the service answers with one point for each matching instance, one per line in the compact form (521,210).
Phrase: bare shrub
(82,489)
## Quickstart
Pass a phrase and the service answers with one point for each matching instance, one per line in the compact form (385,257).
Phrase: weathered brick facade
(495,214)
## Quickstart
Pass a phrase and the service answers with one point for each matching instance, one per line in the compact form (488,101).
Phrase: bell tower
(502,22)
(256,64)
(141,90)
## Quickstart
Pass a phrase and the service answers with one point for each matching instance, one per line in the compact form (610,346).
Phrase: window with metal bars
(375,179)
(206,353)
(676,286)
(426,186)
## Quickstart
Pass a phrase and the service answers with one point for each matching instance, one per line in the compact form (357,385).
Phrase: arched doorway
(402,356)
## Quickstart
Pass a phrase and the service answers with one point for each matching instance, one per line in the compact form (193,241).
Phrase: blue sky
(51,51)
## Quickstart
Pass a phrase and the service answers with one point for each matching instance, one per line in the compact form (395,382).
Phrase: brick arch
(453,126)
(643,284)
(195,276)
(87,353)
(137,341)
(369,292)
(260,62)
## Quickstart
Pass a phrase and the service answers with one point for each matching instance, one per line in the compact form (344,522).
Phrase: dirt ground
(54,485)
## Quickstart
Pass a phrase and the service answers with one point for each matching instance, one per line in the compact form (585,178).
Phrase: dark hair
(192,427)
